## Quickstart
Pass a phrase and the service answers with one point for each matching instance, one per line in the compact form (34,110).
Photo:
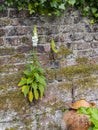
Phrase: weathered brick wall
(73,30)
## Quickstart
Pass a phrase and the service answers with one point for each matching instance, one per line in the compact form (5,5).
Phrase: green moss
(59,74)
(12,128)
(50,75)
(65,85)
(86,82)
(6,68)
(13,98)
(10,79)
(53,126)
(5,21)
(82,60)
(71,72)
(6,51)
(64,51)
(80,70)
(25,39)
(19,55)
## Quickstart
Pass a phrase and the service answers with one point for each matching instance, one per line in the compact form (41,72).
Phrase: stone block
(96,36)
(87,53)
(40,49)
(79,28)
(59,75)
(6,51)
(86,92)
(3,13)
(95,52)
(1,41)
(94,59)
(58,92)
(7,68)
(23,49)
(88,37)
(76,36)
(4,22)
(80,45)
(94,44)
(13,59)
(65,28)
(42,39)
(14,31)
(18,14)
(18,41)
(13,41)
(2,32)
(15,22)
(50,75)
(11,79)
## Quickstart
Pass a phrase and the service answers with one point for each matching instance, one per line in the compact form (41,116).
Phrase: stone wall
(71,29)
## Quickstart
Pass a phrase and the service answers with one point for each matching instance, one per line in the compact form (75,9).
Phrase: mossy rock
(59,75)
(6,51)
(7,68)
(13,98)
(9,78)
(4,22)
(50,75)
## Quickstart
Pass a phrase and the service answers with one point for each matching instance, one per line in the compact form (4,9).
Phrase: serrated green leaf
(96,15)
(93,114)
(22,82)
(92,21)
(34,85)
(62,6)
(71,2)
(82,110)
(41,89)
(30,8)
(36,76)
(42,81)
(28,65)
(86,9)
(94,10)
(95,128)
(90,128)
(26,90)
(41,70)
(28,73)
(29,80)
(36,94)
(37,63)
(54,4)
(42,1)
(32,67)
(30,96)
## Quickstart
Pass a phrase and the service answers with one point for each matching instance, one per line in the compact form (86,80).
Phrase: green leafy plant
(33,82)
(88,8)
(93,116)
(50,7)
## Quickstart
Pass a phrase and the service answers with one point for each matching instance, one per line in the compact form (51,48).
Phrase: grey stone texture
(71,29)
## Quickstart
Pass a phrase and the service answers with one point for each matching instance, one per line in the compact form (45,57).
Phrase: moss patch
(6,51)
(4,22)
(50,75)
(10,78)
(7,68)
(15,98)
